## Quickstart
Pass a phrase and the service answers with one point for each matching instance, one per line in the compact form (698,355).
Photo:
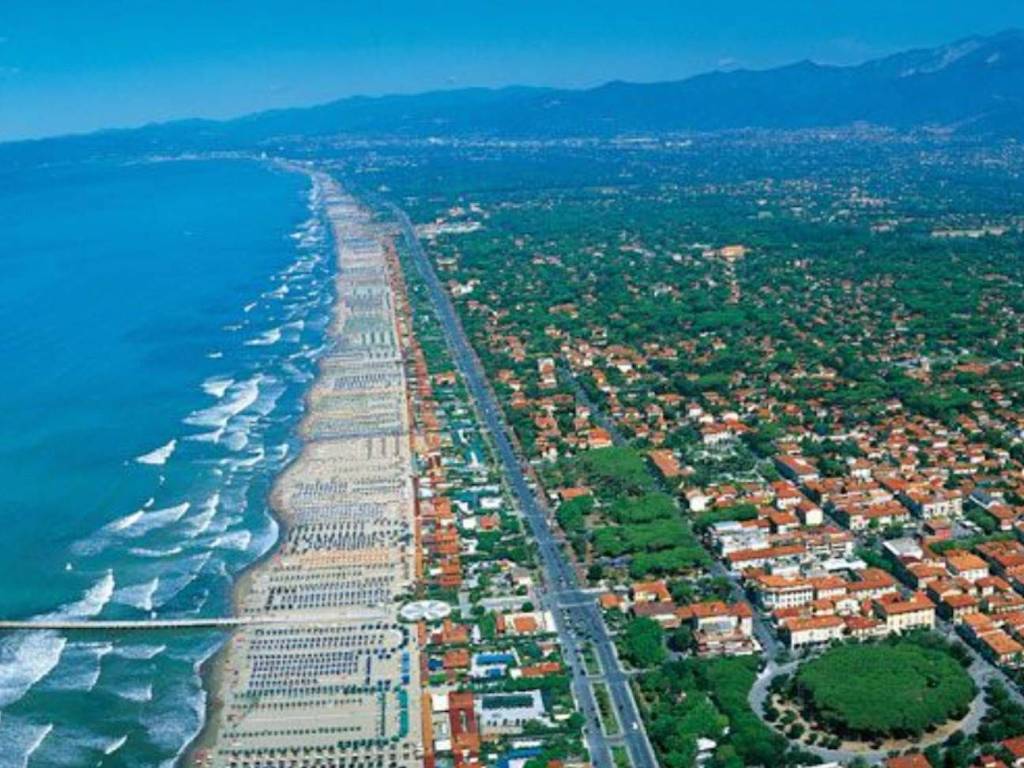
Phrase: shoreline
(350,484)
(212,670)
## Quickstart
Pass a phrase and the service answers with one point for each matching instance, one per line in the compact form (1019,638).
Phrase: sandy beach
(339,677)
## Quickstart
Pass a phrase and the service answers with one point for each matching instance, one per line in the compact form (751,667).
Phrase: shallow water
(159,323)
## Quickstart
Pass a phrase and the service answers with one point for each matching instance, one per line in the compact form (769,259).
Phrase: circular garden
(884,690)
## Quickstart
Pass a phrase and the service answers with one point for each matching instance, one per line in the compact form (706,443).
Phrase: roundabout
(870,699)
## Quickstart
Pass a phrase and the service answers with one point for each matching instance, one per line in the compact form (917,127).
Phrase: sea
(160,322)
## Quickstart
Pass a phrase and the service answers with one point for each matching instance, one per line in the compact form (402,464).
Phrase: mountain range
(974,85)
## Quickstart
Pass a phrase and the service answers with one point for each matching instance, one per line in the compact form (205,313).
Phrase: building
(800,632)
(720,628)
(903,614)
(507,713)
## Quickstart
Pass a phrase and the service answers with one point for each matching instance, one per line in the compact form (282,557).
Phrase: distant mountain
(974,85)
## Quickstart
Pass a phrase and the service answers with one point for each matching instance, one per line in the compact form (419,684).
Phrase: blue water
(159,323)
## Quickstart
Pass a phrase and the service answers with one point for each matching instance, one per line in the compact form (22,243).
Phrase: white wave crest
(216,386)
(158,456)
(237,540)
(239,396)
(145,552)
(25,659)
(115,745)
(138,692)
(266,338)
(142,522)
(139,652)
(138,595)
(90,604)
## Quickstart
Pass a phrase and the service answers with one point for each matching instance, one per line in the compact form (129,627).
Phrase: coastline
(212,671)
(373,500)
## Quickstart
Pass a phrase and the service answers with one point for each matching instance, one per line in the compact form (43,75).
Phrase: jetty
(89,625)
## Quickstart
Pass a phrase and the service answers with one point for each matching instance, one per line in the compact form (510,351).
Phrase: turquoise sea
(159,323)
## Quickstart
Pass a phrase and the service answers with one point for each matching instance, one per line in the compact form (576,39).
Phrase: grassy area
(590,660)
(886,689)
(620,757)
(604,706)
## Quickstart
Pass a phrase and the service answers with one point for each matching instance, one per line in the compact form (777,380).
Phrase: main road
(577,616)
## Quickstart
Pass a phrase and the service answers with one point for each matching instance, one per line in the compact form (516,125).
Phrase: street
(559,575)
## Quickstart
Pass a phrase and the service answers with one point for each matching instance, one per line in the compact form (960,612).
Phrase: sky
(70,66)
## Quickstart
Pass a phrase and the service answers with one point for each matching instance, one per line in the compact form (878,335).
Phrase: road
(580,620)
(596,413)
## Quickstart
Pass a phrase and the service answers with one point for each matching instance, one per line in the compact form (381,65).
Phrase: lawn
(886,689)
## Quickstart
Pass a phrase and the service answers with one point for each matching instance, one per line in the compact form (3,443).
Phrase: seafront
(325,674)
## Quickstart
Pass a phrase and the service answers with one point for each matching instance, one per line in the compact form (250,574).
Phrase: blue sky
(79,65)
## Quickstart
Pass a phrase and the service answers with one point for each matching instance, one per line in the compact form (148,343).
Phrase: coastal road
(580,621)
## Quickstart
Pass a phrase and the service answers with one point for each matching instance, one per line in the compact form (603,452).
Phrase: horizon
(233,65)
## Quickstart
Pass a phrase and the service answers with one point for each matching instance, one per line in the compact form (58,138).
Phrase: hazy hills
(975,85)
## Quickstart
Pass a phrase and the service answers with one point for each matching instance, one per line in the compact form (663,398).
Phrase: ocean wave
(158,456)
(236,437)
(170,725)
(213,436)
(134,691)
(25,659)
(250,461)
(138,652)
(278,293)
(216,386)
(214,355)
(250,306)
(79,668)
(115,745)
(265,339)
(171,585)
(237,398)
(201,521)
(147,552)
(20,739)
(143,521)
(265,538)
(90,604)
(138,595)
(237,540)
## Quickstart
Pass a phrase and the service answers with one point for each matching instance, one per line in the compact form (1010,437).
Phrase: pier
(228,622)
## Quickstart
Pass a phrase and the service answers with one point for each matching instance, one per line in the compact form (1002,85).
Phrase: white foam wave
(237,398)
(137,692)
(172,585)
(265,538)
(140,652)
(216,386)
(237,540)
(213,436)
(201,521)
(250,306)
(158,456)
(143,521)
(91,603)
(79,668)
(44,731)
(138,595)
(25,659)
(251,461)
(115,745)
(146,552)
(266,338)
